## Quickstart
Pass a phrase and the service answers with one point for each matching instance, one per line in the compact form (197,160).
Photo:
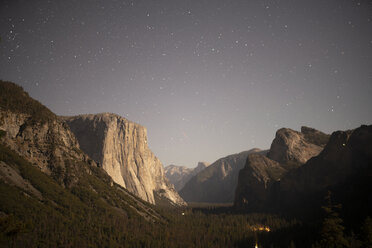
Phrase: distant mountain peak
(201,166)
(180,175)
(217,182)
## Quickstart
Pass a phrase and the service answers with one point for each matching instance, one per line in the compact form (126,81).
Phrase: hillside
(53,193)
(37,211)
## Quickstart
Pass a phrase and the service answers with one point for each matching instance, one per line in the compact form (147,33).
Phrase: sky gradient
(207,78)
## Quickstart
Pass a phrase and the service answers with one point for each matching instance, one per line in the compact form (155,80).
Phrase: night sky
(207,78)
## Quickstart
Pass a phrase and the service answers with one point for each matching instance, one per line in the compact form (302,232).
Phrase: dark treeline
(43,225)
(82,217)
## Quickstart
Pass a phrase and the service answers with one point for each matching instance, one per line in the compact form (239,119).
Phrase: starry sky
(207,78)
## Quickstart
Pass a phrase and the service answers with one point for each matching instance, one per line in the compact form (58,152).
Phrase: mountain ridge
(180,175)
(343,167)
(217,183)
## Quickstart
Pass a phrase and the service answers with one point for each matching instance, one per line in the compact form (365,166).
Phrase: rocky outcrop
(254,181)
(35,133)
(180,175)
(346,153)
(216,183)
(120,147)
(314,136)
(201,166)
(289,150)
(343,167)
(43,144)
(292,148)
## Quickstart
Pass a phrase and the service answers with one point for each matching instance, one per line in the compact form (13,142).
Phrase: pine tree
(332,231)
(367,232)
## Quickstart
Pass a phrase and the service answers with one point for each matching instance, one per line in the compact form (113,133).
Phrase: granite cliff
(289,150)
(294,148)
(120,147)
(343,167)
(348,153)
(36,134)
(180,175)
(255,180)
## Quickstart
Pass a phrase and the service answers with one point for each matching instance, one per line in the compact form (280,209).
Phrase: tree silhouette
(367,232)
(332,231)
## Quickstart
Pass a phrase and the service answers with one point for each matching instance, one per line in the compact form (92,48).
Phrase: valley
(92,181)
(185,124)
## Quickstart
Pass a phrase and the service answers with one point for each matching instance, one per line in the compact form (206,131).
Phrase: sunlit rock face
(180,175)
(120,147)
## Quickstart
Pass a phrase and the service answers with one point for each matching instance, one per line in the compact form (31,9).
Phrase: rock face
(257,176)
(180,175)
(289,150)
(120,147)
(216,183)
(344,167)
(346,153)
(294,148)
(201,166)
(36,134)
(40,143)
(177,175)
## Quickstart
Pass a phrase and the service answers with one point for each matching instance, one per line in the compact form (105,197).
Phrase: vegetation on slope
(94,214)
(90,214)
(13,98)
